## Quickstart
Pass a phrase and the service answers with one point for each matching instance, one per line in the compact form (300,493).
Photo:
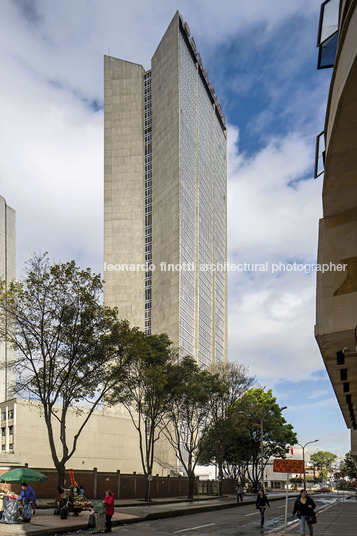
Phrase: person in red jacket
(109,509)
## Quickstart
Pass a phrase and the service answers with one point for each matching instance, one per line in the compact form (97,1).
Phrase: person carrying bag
(304,509)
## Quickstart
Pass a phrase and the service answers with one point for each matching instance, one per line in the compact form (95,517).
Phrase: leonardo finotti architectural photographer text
(228,267)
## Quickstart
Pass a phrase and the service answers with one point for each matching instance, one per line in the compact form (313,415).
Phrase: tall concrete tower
(7,273)
(165,183)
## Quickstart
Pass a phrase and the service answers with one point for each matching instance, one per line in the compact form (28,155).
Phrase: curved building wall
(336,305)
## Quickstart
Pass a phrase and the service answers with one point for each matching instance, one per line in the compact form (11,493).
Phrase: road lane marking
(194,528)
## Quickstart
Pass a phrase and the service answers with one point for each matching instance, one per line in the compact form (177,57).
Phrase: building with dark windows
(165,197)
(336,304)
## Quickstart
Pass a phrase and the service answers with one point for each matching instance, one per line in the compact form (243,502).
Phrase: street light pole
(261,417)
(262,455)
(303,456)
(262,445)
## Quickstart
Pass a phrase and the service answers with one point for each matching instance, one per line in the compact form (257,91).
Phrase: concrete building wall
(109,441)
(165,183)
(7,273)
(124,188)
(165,135)
(187,208)
(203,228)
(220,299)
(336,296)
(354,443)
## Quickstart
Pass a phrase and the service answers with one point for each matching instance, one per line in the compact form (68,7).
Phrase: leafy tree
(221,442)
(221,433)
(349,465)
(145,393)
(191,390)
(259,411)
(322,461)
(323,476)
(240,432)
(62,335)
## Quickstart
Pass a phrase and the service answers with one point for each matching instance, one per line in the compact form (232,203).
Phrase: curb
(49,531)
(139,502)
(291,524)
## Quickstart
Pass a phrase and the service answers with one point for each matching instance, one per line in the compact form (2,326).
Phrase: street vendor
(29,497)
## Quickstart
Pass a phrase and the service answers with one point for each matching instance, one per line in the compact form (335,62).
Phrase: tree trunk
(61,473)
(191,484)
(148,489)
(220,478)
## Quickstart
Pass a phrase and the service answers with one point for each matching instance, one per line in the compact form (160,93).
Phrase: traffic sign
(337,476)
(288,466)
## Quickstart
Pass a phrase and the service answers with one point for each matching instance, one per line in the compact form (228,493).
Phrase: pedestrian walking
(304,509)
(109,509)
(239,491)
(28,495)
(261,503)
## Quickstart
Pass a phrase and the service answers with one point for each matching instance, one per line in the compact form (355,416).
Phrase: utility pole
(303,456)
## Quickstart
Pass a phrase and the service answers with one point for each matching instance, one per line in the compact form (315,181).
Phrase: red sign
(288,466)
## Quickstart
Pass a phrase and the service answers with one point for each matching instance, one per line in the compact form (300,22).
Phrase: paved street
(242,521)
(204,517)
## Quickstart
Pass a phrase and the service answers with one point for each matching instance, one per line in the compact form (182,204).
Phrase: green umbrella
(22,474)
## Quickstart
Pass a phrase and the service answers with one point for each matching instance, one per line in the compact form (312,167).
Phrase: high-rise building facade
(336,301)
(7,273)
(165,154)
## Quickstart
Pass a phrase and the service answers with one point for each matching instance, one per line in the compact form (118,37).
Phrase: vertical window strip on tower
(148,198)
(188,75)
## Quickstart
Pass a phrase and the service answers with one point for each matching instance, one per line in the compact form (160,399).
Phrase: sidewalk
(337,519)
(133,511)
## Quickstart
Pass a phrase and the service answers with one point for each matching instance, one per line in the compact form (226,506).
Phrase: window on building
(320,155)
(3,432)
(11,414)
(328,34)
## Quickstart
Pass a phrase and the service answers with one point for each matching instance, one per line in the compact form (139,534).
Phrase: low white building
(279,480)
(108,442)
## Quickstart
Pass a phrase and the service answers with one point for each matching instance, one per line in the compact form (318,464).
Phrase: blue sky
(261,59)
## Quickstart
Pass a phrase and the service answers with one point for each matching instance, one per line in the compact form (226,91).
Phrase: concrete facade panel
(123,186)
(336,295)
(7,273)
(109,441)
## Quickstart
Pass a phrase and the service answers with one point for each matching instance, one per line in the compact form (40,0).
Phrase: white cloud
(66,40)
(273,218)
(317,394)
(329,402)
(51,169)
(272,213)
